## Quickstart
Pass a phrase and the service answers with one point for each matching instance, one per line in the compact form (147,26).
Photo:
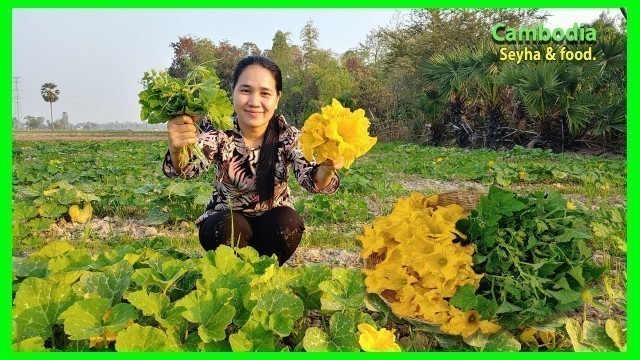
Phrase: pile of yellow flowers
(422,267)
(336,133)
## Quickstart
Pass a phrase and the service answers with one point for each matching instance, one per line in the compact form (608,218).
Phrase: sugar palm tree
(50,94)
(450,74)
(609,123)
(433,102)
(484,66)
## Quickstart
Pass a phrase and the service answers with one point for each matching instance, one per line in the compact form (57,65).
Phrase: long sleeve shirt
(235,166)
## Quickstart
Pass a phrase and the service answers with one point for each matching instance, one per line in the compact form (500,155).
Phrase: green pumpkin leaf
(615,332)
(55,249)
(90,318)
(111,283)
(73,260)
(22,211)
(52,210)
(342,336)
(345,290)
(280,311)
(37,306)
(502,341)
(138,338)
(31,266)
(156,216)
(252,337)
(306,286)
(211,310)
(34,344)
(151,304)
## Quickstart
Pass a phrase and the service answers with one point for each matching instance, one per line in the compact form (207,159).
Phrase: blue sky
(97,57)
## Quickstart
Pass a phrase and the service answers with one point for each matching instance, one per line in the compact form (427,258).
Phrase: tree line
(436,74)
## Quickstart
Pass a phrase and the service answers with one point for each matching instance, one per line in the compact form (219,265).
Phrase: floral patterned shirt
(235,165)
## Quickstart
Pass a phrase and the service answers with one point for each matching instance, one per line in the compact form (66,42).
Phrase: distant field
(82,135)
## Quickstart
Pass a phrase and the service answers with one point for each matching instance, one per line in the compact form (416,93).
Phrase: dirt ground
(43,135)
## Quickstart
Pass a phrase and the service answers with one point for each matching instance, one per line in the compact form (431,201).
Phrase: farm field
(140,238)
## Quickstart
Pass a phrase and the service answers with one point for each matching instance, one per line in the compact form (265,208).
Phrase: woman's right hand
(182,132)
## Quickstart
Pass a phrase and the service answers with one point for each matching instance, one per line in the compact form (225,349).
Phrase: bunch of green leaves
(165,97)
(533,253)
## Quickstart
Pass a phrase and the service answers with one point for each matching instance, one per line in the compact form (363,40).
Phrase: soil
(184,235)
(88,135)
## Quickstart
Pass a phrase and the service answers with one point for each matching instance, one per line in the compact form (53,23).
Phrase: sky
(97,57)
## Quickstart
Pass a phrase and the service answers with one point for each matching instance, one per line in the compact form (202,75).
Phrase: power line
(16,97)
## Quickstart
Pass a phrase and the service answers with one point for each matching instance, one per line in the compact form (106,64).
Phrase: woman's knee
(289,227)
(218,230)
(284,217)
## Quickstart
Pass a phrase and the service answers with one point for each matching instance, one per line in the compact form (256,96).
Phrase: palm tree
(483,66)
(433,102)
(449,72)
(50,94)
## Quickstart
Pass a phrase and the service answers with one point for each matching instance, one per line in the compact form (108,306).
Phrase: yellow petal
(376,341)
(80,215)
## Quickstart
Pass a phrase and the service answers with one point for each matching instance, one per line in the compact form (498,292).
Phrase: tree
(289,58)
(450,73)
(62,123)
(188,52)
(33,123)
(398,54)
(250,49)
(17,125)
(309,36)
(227,58)
(280,51)
(50,94)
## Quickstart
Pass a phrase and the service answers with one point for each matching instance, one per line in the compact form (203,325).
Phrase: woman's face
(255,98)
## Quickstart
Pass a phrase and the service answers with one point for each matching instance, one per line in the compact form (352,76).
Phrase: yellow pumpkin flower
(466,323)
(521,174)
(406,304)
(433,308)
(336,133)
(390,275)
(80,215)
(372,340)
(491,163)
(528,336)
(444,261)
(439,160)
(371,242)
(570,206)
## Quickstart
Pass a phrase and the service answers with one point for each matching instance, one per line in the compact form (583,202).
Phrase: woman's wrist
(323,176)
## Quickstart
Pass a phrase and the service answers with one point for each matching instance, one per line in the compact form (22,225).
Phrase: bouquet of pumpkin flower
(336,133)
(419,265)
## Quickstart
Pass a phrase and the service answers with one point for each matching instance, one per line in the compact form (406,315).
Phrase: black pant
(277,231)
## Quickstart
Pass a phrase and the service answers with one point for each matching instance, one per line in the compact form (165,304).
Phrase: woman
(252,164)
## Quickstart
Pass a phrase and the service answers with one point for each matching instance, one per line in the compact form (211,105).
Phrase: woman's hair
(266,169)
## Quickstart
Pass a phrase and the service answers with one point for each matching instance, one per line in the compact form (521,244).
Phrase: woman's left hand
(326,170)
(332,165)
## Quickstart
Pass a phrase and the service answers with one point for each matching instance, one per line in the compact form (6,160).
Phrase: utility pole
(16,97)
